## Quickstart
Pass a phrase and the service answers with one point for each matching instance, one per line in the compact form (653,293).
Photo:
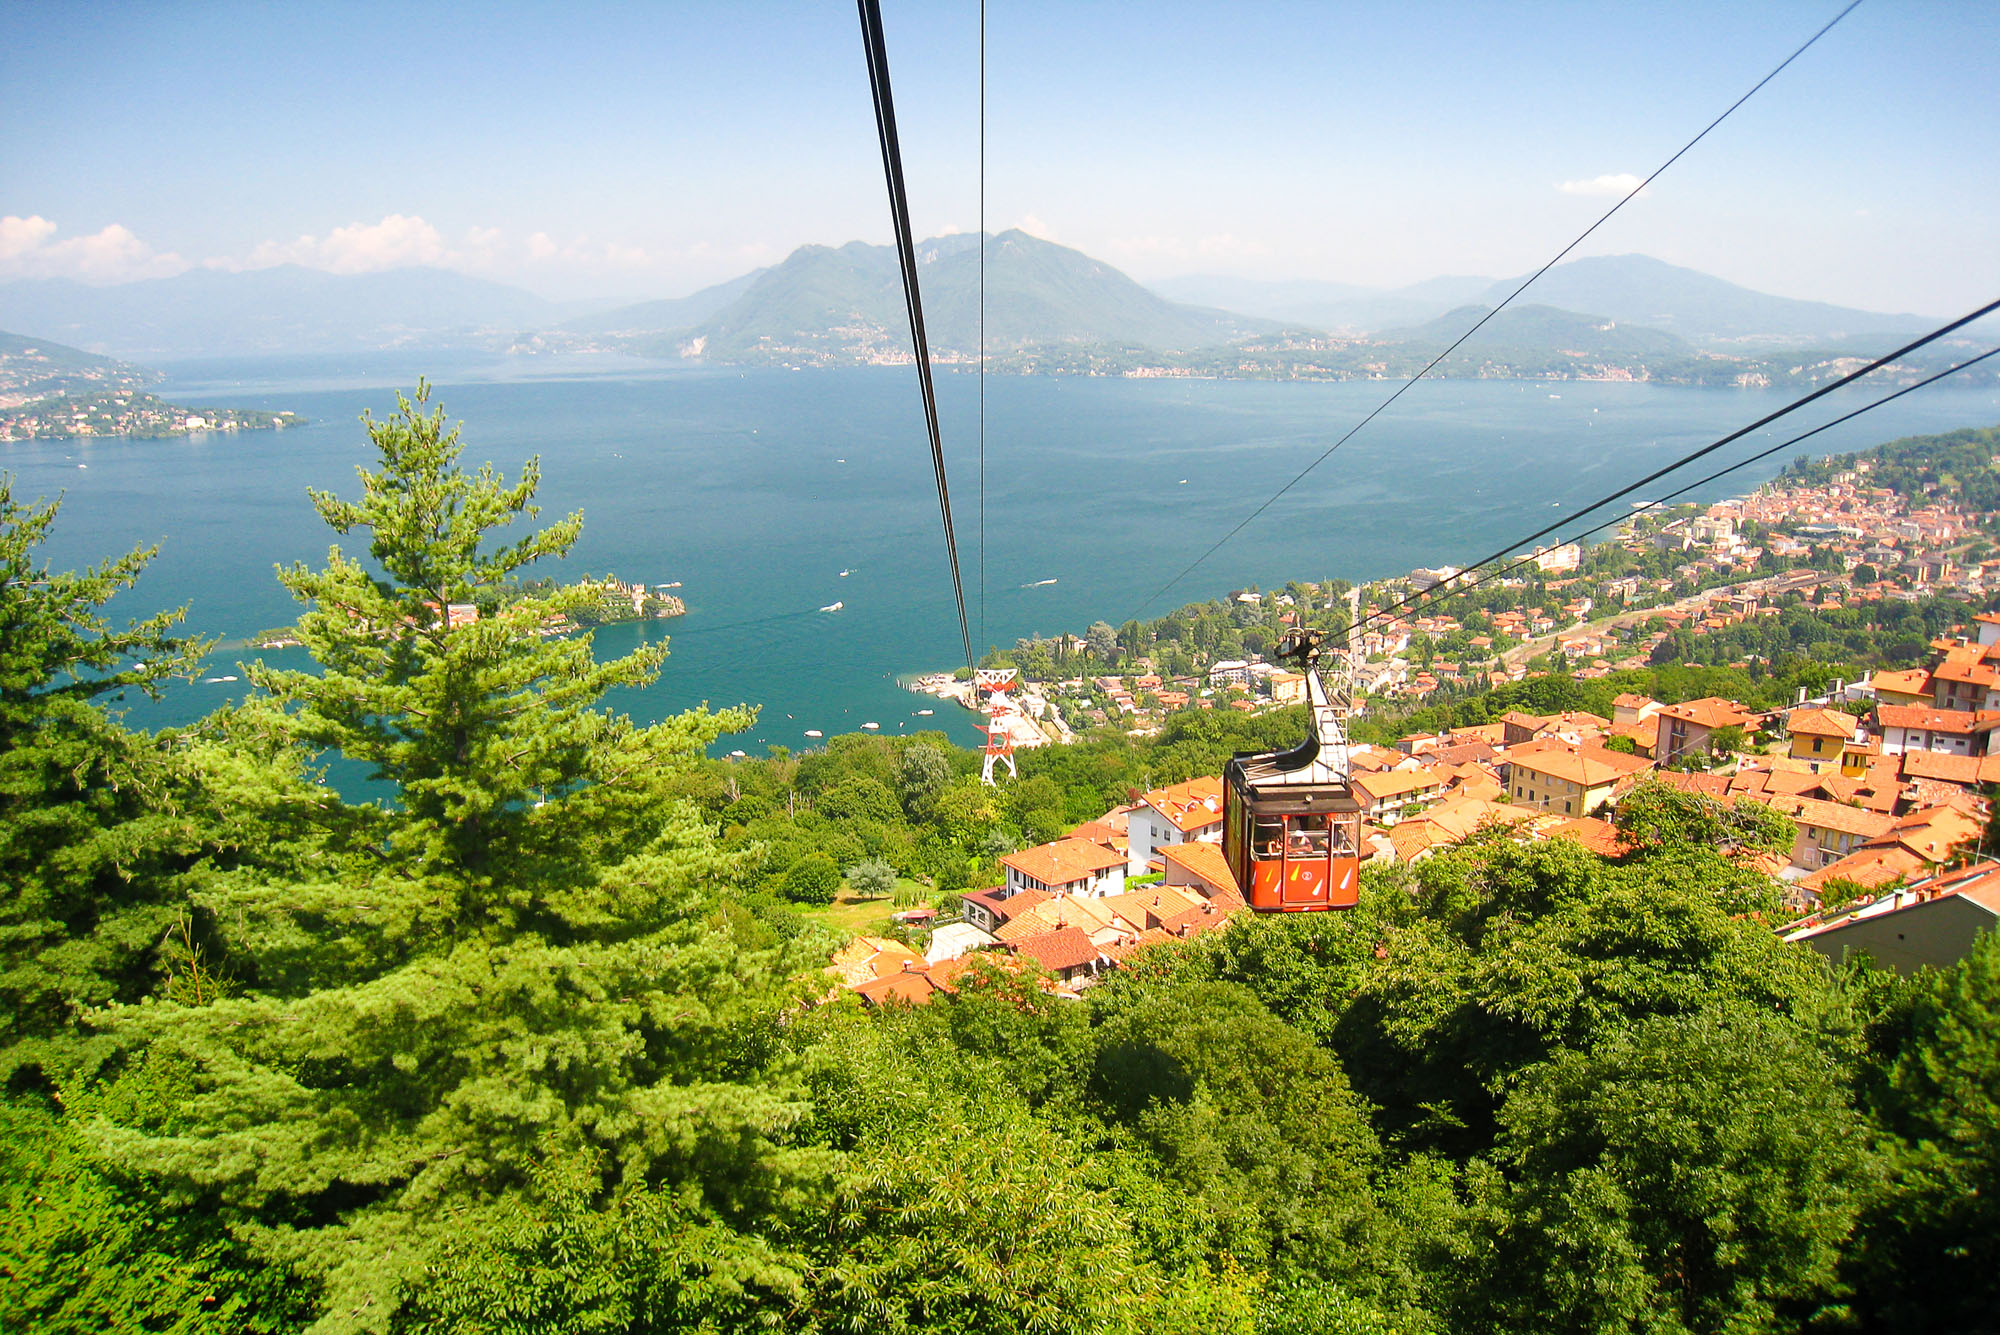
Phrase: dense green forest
(543,1045)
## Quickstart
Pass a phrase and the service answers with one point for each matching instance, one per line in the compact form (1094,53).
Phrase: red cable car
(1291,824)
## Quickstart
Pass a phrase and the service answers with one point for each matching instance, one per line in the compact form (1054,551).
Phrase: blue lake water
(756,489)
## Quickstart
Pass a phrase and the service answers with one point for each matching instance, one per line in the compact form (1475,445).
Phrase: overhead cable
(982,322)
(1737,434)
(1480,323)
(906,253)
(1382,615)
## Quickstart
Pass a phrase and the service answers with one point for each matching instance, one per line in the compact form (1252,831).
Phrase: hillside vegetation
(544,1043)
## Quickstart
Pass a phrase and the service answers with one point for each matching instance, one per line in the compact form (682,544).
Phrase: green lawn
(865,917)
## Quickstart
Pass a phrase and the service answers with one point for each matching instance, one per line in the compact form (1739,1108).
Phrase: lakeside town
(1884,779)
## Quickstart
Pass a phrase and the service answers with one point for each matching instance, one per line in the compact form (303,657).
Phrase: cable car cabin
(1291,823)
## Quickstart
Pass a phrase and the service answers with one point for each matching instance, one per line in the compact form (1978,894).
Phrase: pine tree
(91,821)
(518,962)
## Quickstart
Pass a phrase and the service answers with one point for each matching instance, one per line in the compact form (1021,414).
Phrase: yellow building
(1820,735)
(1561,781)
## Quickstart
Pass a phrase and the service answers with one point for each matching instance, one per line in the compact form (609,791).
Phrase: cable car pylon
(1291,824)
(998,685)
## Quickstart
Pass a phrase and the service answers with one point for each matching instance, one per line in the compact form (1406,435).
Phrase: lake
(758,489)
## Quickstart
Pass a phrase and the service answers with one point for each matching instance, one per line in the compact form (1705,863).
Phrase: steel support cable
(906,253)
(982,322)
(1431,365)
(1735,435)
(1383,615)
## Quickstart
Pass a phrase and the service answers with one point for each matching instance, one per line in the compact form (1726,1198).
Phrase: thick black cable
(906,253)
(1738,434)
(1480,323)
(1383,615)
(982,322)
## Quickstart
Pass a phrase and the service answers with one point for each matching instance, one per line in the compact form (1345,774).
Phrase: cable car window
(1269,840)
(1308,835)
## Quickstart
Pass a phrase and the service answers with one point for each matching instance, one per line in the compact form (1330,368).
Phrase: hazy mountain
(834,303)
(1340,307)
(669,315)
(1527,327)
(1637,289)
(206,312)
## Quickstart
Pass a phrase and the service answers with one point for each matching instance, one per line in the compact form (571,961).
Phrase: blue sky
(643,150)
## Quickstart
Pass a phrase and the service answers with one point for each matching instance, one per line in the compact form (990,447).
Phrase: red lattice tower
(999,706)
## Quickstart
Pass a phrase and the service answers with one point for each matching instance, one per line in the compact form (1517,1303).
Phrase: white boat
(814,732)
(1039,584)
(925,713)
(845,573)
(833,607)
(871,726)
(212,680)
(736,755)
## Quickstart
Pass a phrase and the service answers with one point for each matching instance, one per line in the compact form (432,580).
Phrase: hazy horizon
(613,154)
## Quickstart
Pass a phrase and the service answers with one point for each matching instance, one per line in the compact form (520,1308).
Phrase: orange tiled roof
(1064,862)
(1835,816)
(1194,805)
(1868,867)
(1599,836)
(1816,722)
(1588,771)
(1925,719)
(1203,861)
(1383,785)
(1942,765)
(1064,948)
(1710,712)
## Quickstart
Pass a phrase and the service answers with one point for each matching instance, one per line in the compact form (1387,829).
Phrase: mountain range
(825,305)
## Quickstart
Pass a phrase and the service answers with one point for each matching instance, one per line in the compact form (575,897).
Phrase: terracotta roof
(1102,831)
(1704,785)
(1064,948)
(914,988)
(1916,681)
(1941,765)
(1815,722)
(1588,771)
(1203,861)
(1932,832)
(1386,784)
(1923,718)
(1599,836)
(867,958)
(1194,805)
(1954,668)
(1868,867)
(1003,906)
(1835,816)
(1709,712)
(1064,862)
(1090,914)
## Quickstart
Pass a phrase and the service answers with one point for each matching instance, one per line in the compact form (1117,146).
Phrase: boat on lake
(833,607)
(872,727)
(814,732)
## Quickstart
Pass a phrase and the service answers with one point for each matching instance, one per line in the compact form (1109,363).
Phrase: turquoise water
(756,489)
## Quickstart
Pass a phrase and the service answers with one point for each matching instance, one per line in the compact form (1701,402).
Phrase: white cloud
(110,255)
(1623,183)
(18,236)
(393,243)
(1033,226)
